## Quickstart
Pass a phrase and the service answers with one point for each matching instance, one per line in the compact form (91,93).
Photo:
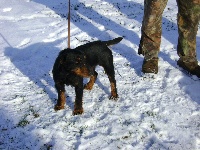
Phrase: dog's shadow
(36,62)
(102,86)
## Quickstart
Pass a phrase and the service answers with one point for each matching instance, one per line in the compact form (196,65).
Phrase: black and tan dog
(72,65)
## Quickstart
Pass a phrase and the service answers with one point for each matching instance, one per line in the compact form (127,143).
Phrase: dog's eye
(78,60)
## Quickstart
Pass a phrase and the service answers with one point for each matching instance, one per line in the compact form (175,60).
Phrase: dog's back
(99,44)
(97,52)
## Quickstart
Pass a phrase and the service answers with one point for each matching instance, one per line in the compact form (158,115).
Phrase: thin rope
(69,25)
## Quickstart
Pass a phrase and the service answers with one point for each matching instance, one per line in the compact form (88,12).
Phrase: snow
(158,112)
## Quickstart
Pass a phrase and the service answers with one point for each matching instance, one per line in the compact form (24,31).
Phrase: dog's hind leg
(114,94)
(111,75)
(90,84)
(61,97)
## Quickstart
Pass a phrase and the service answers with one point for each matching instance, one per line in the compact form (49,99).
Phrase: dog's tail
(112,42)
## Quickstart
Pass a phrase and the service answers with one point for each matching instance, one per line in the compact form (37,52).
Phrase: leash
(69,25)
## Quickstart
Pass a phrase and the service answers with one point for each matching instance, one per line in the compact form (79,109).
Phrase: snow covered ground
(160,112)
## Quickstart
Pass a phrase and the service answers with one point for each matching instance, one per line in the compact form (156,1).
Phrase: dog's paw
(114,97)
(78,111)
(56,107)
(88,87)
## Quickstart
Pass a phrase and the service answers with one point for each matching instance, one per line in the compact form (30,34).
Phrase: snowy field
(152,113)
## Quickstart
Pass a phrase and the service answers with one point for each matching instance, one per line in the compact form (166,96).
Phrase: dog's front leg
(78,108)
(90,84)
(61,96)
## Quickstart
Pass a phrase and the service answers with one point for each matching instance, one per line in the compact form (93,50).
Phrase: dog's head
(72,61)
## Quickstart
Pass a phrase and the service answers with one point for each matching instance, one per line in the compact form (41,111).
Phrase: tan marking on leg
(114,94)
(83,72)
(61,101)
(90,84)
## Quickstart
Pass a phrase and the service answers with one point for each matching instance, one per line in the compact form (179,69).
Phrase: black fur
(72,65)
